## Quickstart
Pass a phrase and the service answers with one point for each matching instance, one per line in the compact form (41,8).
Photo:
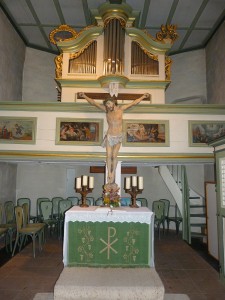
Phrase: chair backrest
(46,210)
(9,212)
(125,201)
(21,201)
(89,201)
(26,215)
(55,205)
(158,207)
(1,213)
(64,205)
(19,217)
(144,201)
(99,201)
(167,206)
(39,200)
(74,200)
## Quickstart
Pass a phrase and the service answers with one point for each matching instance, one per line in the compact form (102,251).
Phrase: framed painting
(139,133)
(79,131)
(202,132)
(18,130)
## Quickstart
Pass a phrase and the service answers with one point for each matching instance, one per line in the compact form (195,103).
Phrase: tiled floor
(182,270)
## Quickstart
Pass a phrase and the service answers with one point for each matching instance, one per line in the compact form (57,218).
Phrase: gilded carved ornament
(168,63)
(58,65)
(149,54)
(78,53)
(65,33)
(62,33)
(167,34)
(122,21)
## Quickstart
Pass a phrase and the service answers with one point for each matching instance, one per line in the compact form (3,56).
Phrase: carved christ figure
(113,137)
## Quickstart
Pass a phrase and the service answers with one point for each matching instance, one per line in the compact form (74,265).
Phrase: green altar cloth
(101,237)
(102,244)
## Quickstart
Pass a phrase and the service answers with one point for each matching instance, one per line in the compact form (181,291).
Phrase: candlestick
(82,188)
(133,190)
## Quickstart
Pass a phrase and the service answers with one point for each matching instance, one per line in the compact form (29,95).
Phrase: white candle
(127,183)
(140,183)
(91,182)
(84,180)
(78,182)
(134,181)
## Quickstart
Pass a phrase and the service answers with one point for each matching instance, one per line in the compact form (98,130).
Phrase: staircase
(197,216)
(196,204)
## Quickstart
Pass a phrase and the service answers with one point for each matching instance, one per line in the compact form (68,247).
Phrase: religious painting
(17,130)
(139,133)
(202,132)
(79,131)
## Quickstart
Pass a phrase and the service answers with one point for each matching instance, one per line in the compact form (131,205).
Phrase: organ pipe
(84,61)
(143,63)
(114,37)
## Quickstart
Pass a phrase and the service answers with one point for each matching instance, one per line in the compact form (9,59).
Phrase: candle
(84,180)
(140,183)
(78,182)
(127,183)
(134,181)
(91,182)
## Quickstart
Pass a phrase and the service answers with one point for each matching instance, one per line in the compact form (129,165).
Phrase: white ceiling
(197,20)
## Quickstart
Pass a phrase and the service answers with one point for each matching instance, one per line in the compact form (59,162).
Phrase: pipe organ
(113,55)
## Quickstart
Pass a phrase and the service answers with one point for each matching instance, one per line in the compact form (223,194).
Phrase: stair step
(198,224)
(198,215)
(197,206)
(197,234)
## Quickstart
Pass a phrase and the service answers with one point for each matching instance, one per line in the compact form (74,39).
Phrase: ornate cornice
(198,109)
(155,158)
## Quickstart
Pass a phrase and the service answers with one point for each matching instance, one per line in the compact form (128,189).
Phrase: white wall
(12,55)
(38,77)
(188,76)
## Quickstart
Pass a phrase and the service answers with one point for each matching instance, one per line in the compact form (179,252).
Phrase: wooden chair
(3,227)
(21,201)
(46,216)
(38,213)
(23,232)
(55,206)
(143,201)
(99,201)
(158,207)
(64,205)
(177,219)
(74,200)
(166,212)
(10,222)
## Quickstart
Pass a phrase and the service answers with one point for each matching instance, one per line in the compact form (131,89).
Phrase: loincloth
(112,140)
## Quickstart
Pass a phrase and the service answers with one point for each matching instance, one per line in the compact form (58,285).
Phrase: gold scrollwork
(168,32)
(58,65)
(121,20)
(168,63)
(78,53)
(149,54)
(62,33)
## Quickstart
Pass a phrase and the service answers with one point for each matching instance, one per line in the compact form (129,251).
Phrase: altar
(100,237)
